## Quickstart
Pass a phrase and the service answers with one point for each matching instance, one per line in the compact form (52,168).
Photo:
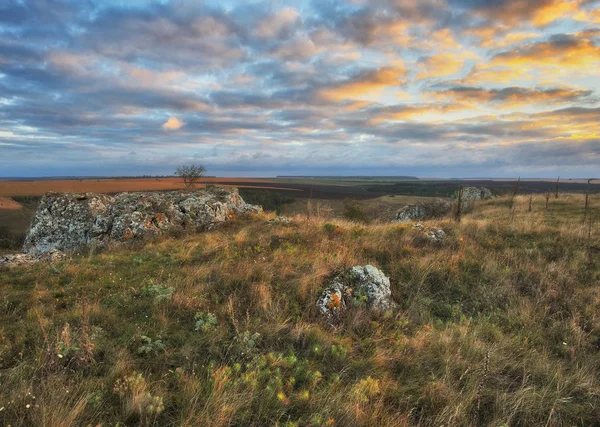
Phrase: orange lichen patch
(335,302)
(128,234)
(160,218)
(231,215)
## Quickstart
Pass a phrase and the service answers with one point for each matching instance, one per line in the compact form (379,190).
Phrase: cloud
(513,96)
(278,23)
(365,83)
(173,124)
(564,50)
(512,12)
(440,65)
(324,85)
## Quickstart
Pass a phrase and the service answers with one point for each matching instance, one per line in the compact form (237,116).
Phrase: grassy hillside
(497,325)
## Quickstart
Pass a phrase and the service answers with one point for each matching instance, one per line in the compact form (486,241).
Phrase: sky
(434,88)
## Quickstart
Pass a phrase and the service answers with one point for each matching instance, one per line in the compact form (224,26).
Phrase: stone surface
(67,222)
(356,286)
(425,210)
(281,220)
(470,194)
(434,234)
(13,260)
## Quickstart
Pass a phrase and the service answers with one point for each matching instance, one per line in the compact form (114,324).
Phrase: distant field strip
(40,187)
(6,203)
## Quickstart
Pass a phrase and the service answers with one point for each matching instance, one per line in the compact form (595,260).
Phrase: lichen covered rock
(67,222)
(359,285)
(434,234)
(470,194)
(425,210)
(13,260)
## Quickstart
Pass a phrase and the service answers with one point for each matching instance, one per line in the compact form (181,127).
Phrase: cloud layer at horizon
(430,88)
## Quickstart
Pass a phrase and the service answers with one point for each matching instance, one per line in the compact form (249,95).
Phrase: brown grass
(496,325)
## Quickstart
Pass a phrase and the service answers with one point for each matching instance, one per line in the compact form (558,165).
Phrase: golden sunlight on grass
(498,324)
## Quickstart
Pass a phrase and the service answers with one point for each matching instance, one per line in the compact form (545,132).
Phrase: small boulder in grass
(281,220)
(360,285)
(434,234)
(14,260)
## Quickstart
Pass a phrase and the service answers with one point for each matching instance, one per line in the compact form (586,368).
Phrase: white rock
(358,285)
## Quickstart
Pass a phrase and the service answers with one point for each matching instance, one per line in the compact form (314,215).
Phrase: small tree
(190,174)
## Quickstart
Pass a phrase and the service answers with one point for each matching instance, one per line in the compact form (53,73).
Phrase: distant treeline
(363,178)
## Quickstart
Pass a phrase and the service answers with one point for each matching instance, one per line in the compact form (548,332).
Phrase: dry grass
(497,325)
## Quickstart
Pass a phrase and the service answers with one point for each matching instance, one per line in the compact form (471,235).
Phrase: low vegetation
(498,324)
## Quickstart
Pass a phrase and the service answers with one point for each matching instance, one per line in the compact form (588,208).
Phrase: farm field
(112,185)
(6,203)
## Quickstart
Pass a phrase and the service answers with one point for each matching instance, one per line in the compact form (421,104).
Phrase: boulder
(435,208)
(281,220)
(66,222)
(354,287)
(470,194)
(434,234)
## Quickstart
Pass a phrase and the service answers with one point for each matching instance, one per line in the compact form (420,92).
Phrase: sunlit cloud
(512,96)
(444,64)
(366,83)
(470,87)
(172,124)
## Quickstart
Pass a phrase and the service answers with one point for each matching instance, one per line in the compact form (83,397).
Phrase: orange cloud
(405,112)
(572,51)
(591,16)
(512,96)
(365,83)
(537,13)
(508,40)
(173,124)
(440,65)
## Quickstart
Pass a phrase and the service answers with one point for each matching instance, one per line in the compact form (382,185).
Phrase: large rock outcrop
(67,222)
(435,208)
(470,194)
(359,285)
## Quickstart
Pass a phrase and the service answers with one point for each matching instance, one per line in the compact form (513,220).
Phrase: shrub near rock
(359,285)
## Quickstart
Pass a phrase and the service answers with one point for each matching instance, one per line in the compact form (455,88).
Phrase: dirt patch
(6,203)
